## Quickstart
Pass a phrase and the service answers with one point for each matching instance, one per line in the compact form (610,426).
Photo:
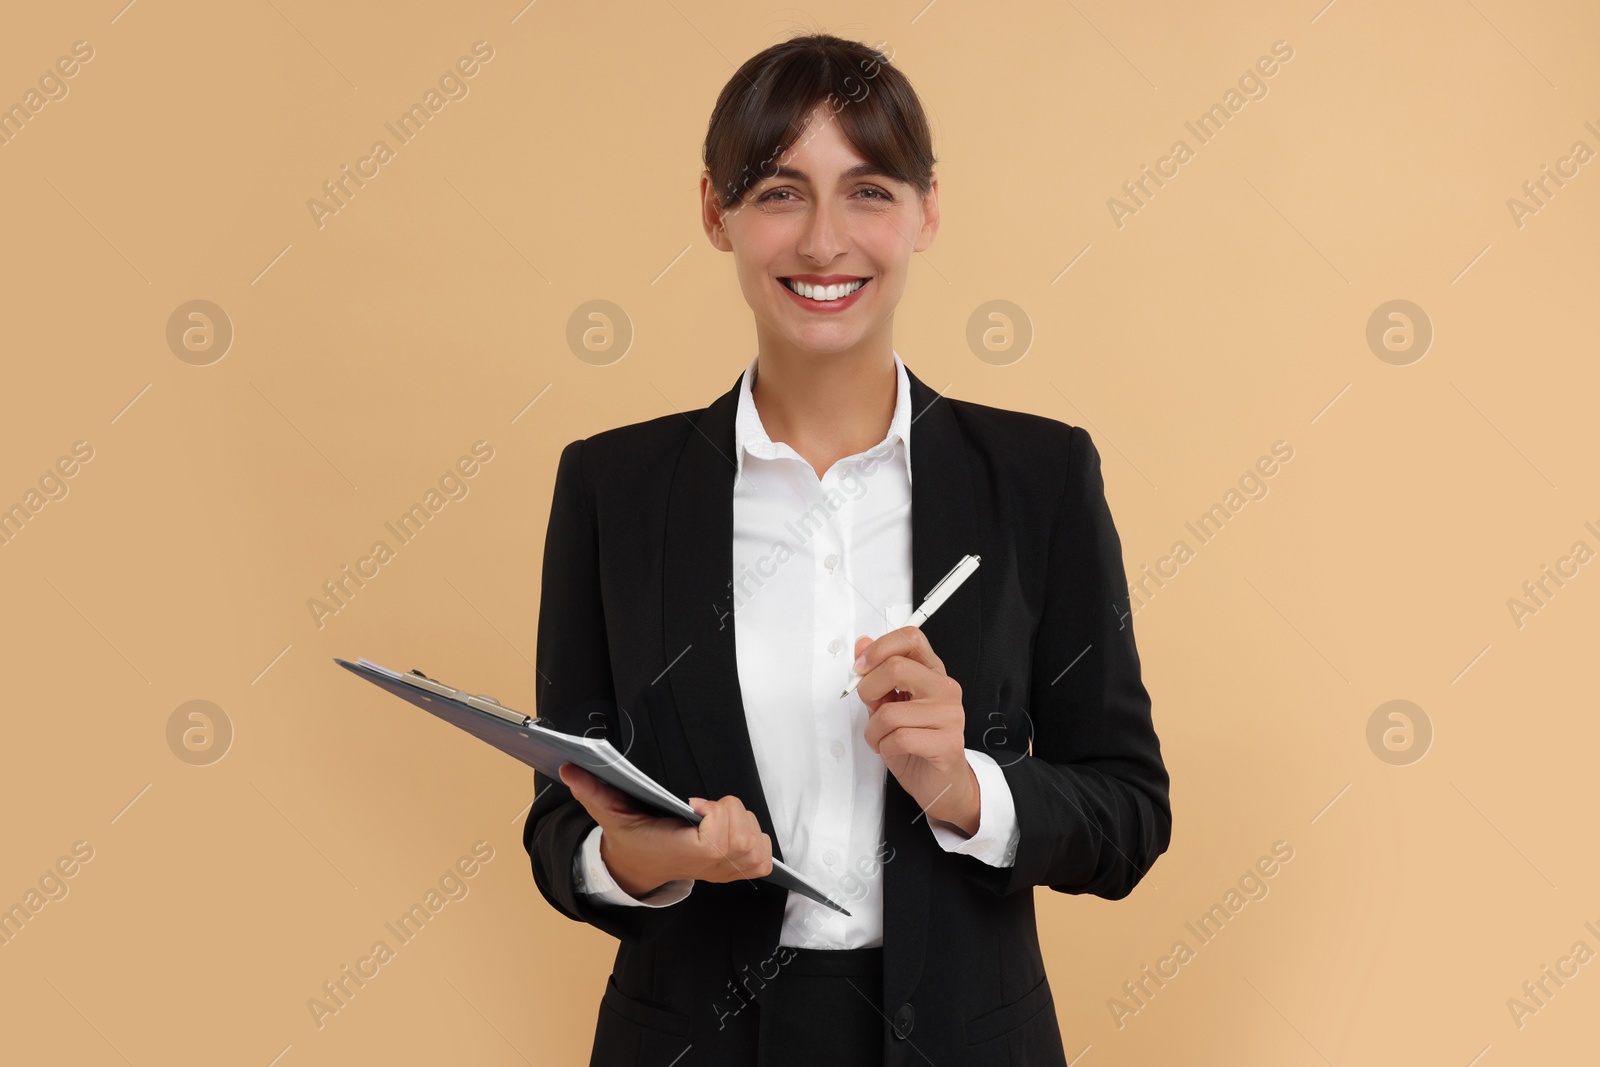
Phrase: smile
(824,297)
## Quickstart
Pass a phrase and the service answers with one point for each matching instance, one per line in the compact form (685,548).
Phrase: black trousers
(825,1008)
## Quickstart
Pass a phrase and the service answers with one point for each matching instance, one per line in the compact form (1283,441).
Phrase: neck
(826,405)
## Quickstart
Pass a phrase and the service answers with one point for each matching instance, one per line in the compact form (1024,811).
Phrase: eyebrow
(860,170)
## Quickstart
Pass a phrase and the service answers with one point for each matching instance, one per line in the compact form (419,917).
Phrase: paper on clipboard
(546,749)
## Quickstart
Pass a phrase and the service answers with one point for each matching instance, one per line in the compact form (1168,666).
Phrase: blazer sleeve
(575,693)
(1092,797)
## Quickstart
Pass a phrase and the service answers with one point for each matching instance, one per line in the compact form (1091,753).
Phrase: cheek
(890,270)
(756,284)
(886,235)
(880,243)
(759,258)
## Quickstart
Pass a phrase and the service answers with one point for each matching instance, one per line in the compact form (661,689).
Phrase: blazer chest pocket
(1008,1017)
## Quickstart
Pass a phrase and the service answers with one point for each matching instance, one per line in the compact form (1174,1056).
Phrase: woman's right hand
(644,852)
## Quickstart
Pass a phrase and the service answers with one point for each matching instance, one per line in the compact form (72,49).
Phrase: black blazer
(636,635)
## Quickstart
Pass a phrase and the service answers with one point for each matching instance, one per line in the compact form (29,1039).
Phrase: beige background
(369,354)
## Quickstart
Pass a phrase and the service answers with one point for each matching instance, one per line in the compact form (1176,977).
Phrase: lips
(824,290)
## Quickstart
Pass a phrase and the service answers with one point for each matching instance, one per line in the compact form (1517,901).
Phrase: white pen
(941,592)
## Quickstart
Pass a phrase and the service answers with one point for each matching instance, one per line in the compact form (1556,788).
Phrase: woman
(709,577)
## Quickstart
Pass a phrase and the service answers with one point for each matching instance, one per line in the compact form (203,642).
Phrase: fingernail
(861,664)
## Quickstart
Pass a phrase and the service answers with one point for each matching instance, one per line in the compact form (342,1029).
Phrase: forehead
(822,152)
(821,134)
(790,172)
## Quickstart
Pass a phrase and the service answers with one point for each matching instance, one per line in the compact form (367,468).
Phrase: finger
(907,641)
(757,862)
(866,642)
(713,830)
(744,829)
(900,715)
(602,800)
(912,741)
(578,781)
(733,840)
(582,786)
(906,675)
(739,838)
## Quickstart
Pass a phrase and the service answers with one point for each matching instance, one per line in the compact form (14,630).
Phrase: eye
(869,192)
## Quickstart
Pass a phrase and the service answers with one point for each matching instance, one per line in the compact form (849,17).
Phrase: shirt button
(829,857)
(831,562)
(835,645)
(837,748)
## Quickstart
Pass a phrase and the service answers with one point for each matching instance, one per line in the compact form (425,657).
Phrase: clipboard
(535,743)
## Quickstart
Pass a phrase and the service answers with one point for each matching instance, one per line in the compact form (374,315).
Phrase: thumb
(603,801)
(580,782)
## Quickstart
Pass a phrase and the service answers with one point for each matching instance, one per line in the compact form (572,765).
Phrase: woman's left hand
(917,724)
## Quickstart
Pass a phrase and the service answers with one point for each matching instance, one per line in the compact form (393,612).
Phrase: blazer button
(903,1020)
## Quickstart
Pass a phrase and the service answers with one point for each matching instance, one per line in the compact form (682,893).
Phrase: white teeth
(825,292)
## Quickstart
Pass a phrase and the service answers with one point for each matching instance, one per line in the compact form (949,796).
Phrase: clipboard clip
(479,696)
(481,701)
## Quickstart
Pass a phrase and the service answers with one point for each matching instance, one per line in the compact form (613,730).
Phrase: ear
(712,215)
(930,218)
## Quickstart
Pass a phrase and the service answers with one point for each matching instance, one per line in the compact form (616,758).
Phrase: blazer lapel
(698,611)
(944,527)
(699,634)
(703,667)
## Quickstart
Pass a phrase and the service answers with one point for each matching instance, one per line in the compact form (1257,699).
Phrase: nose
(824,237)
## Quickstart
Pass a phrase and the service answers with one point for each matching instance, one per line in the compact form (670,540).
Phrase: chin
(829,346)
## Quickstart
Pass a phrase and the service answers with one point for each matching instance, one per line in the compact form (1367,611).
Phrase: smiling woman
(1003,744)
(820,155)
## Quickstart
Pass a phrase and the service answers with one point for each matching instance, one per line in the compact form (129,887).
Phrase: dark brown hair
(763,108)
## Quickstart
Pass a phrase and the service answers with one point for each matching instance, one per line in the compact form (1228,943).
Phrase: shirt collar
(750,435)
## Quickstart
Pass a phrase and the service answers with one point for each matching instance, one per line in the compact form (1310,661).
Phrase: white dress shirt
(817,564)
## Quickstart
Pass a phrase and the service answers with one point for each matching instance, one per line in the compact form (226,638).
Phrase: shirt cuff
(592,879)
(995,842)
